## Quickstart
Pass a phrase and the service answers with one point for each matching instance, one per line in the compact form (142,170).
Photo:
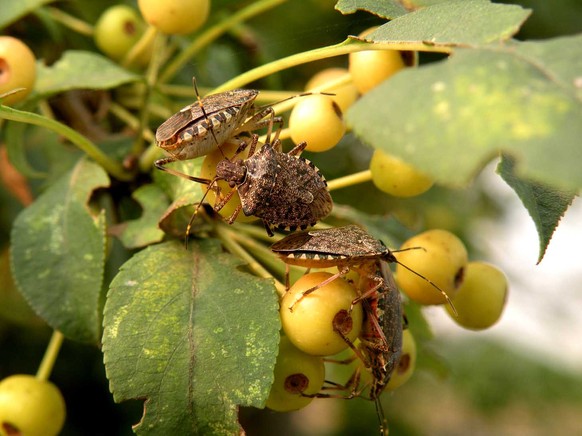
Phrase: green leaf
(451,117)
(388,9)
(58,253)
(191,334)
(12,10)
(178,188)
(545,205)
(183,192)
(384,227)
(80,70)
(15,137)
(455,23)
(144,230)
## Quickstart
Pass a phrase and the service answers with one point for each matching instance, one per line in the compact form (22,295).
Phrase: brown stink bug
(381,337)
(283,189)
(201,127)
(347,247)
(380,340)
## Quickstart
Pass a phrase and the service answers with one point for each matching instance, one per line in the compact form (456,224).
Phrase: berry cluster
(350,302)
(359,307)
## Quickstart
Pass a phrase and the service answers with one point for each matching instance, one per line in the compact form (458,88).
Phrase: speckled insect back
(346,247)
(200,127)
(283,189)
(380,344)
(381,336)
(339,246)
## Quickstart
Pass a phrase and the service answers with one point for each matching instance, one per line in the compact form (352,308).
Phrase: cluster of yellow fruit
(477,290)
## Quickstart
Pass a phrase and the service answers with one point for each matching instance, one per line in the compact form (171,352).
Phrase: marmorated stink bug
(283,189)
(381,337)
(201,127)
(380,340)
(347,247)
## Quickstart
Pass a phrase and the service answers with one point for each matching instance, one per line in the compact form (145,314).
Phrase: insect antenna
(210,184)
(210,125)
(433,284)
(381,417)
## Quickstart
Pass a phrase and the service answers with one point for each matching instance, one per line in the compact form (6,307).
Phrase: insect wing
(348,241)
(168,132)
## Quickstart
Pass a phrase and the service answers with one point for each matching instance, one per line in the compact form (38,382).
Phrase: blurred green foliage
(484,381)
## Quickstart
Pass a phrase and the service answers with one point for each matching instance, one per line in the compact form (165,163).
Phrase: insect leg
(160,164)
(298,149)
(381,417)
(343,271)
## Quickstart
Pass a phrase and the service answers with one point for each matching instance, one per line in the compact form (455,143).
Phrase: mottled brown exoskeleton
(380,345)
(351,247)
(347,247)
(285,190)
(201,127)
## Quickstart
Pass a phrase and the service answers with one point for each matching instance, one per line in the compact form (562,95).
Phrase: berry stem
(50,356)
(352,179)
(184,91)
(129,119)
(112,167)
(291,102)
(70,21)
(146,39)
(213,33)
(227,238)
(151,77)
(265,255)
(350,45)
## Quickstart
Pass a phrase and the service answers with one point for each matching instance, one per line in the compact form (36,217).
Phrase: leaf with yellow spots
(451,117)
(192,335)
(58,253)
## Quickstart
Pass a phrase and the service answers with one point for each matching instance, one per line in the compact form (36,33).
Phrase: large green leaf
(545,205)
(144,230)
(80,70)
(191,334)
(58,253)
(388,9)
(12,10)
(449,118)
(457,22)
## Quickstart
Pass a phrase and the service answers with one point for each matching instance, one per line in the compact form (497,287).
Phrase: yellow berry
(481,298)
(175,16)
(118,30)
(296,373)
(17,69)
(396,177)
(345,94)
(30,407)
(440,257)
(318,120)
(310,323)
(371,67)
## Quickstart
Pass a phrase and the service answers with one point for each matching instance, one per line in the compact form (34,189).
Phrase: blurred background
(521,377)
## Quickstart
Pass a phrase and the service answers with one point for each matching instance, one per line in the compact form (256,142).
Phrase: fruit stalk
(352,179)
(350,45)
(112,167)
(213,32)
(50,356)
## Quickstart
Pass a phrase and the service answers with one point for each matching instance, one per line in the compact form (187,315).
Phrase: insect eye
(231,184)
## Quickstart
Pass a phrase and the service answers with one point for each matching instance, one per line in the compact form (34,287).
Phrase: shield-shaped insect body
(200,127)
(283,189)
